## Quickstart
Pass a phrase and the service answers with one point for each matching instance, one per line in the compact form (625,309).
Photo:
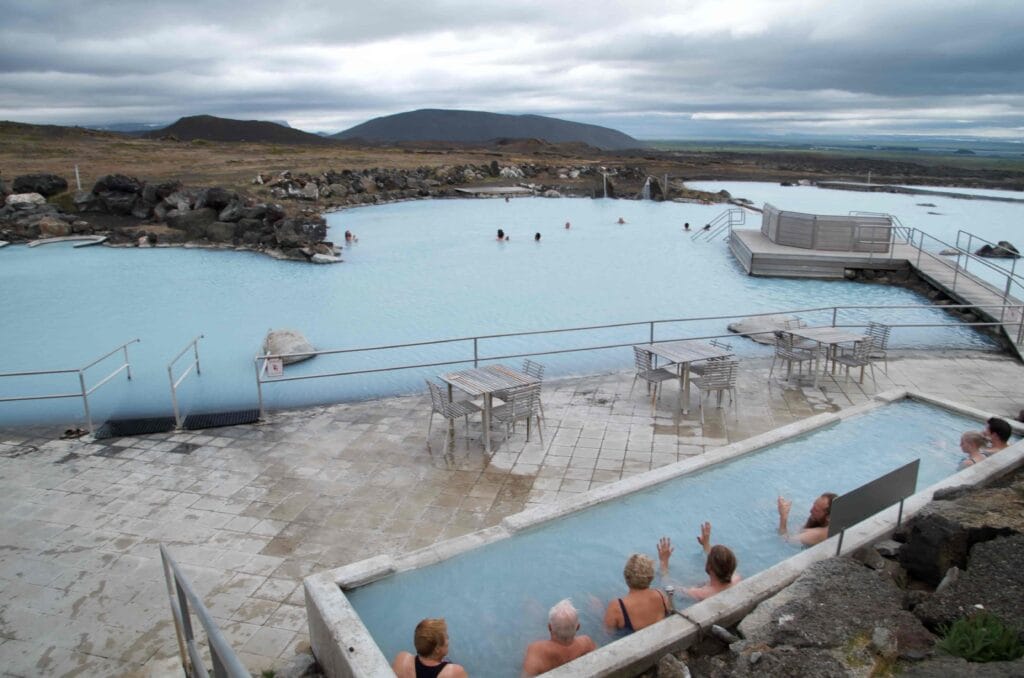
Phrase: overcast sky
(651,69)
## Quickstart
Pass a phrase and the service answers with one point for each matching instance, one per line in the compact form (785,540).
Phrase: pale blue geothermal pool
(495,598)
(421,271)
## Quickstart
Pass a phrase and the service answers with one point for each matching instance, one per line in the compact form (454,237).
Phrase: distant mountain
(212,128)
(136,128)
(476,126)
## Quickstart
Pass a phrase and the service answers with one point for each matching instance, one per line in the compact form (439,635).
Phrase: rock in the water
(43,184)
(324,259)
(280,342)
(943,533)
(994,580)
(24,200)
(1002,249)
(761,328)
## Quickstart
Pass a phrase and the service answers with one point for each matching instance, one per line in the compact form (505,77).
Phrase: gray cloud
(672,69)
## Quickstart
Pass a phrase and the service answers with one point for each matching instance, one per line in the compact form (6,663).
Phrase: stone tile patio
(249,511)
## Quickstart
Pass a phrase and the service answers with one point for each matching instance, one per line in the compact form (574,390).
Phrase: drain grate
(216,419)
(119,428)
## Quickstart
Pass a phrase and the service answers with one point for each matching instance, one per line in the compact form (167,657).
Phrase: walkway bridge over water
(791,244)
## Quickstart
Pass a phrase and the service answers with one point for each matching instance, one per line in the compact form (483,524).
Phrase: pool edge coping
(324,591)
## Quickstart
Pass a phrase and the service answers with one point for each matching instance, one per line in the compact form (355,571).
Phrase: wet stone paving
(248,511)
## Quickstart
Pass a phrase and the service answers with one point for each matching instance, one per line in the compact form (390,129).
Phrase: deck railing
(175,383)
(84,392)
(184,602)
(474,356)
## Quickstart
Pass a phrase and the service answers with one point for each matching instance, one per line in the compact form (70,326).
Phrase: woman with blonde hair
(642,606)
(431,641)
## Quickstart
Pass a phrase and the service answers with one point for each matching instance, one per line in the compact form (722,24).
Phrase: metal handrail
(260,361)
(83,391)
(1010,276)
(180,593)
(175,383)
(711,231)
(971,237)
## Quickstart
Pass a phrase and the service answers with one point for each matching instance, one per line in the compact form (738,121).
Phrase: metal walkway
(759,256)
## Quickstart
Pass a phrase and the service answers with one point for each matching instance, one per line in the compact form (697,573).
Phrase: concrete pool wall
(345,648)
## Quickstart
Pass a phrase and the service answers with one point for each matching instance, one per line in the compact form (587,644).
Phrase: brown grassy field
(34,148)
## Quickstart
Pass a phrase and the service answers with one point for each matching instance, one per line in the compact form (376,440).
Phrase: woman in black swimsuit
(431,641)
(642,606)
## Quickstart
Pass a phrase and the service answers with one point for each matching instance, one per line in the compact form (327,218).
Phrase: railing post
(195,351)
(174,398)
(956,270)
(168,579)
(85,400)
(835,310)
(652,332)
(476,352)
(129,370)
(259,386)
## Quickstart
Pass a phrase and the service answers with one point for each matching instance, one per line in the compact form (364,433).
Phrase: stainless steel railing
(725,221)
(184,602)
(83,392)
(175,383)
(475,357)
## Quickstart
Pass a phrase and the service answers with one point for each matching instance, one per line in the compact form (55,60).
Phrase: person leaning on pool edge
(642,606)
(815,530)
(431,641)
(998,432)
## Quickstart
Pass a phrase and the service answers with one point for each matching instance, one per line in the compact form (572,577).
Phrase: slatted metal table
(829,337)
(682,354)
(484,381)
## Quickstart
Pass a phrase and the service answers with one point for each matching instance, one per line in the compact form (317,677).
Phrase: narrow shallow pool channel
(495,598)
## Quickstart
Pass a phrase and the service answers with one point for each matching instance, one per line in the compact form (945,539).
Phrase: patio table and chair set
(709,365)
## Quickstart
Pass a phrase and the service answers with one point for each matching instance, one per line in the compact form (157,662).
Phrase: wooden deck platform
(759,256)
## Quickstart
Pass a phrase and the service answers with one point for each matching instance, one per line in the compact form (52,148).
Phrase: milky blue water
(496,598)
(421,271)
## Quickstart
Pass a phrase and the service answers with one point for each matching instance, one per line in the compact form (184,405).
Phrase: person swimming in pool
(501,234)
(621,220)
(815,530)
(642,606)
(563,646)
(972,442)
(720,565)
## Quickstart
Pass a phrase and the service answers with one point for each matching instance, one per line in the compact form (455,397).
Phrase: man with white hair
(563,646)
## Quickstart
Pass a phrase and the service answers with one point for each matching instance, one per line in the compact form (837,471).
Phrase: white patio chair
(858,356)
(719,377)
(879,334)
(441,404)
(788,352)
(644,361)
(523,402)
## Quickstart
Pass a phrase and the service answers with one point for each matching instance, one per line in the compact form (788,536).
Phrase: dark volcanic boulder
(994,580)
(216,197)
(193,222)
(297,231)
(43,184)
(1003,250)
(118,183)
(220,231)
(116,202)
(942,534)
